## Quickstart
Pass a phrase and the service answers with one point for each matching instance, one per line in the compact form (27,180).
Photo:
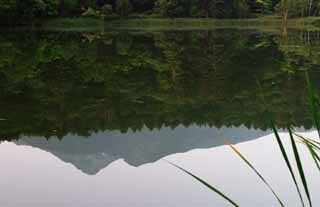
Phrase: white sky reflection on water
(33,177)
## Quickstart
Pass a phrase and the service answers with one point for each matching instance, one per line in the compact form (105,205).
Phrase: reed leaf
(212,188)
(314,155)
(299,165)
(256,171)
(312,142)
(285,157)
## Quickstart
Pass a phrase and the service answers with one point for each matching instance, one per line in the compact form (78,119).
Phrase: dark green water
(141,96)
(55,83)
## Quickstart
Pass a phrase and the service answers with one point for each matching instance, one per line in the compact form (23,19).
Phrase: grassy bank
(182,23)
(176,24)
(72,24)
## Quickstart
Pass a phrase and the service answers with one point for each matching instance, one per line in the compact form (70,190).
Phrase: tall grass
(212,188)
(312,146)
(256,172)
(285,157)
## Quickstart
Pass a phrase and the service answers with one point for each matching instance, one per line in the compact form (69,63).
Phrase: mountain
(93,153)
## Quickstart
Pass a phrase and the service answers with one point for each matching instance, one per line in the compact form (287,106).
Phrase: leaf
(285,157)
(313,154)
(206,184)
(256,171)
(299,165)
(313,143)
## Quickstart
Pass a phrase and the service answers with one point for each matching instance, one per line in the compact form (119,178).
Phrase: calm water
(87,118)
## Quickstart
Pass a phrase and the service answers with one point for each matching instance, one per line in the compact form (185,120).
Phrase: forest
(26,11)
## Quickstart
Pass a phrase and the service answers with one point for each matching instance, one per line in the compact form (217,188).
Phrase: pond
(90,118)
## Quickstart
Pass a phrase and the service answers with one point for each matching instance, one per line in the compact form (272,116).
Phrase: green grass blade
(285,157)
(299,165)
(206,184)
(314,155)
(312,142)
(257,172)
(316,143)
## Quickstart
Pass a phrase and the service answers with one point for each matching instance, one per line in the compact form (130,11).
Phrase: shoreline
(173,24)
(217,23)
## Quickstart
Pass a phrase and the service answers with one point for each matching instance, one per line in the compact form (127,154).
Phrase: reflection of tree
(59,83)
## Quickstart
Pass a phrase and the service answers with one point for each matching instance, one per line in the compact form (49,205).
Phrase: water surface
(87,118)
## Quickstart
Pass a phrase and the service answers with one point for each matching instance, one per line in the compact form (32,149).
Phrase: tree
(169,8)
(261,6)
(107,9)
(283,7)
(8,11)
(123,7)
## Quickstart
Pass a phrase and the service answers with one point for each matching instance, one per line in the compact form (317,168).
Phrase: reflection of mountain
(137,148)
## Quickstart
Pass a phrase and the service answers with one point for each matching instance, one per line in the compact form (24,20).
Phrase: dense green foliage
(59,83)
(25,11)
